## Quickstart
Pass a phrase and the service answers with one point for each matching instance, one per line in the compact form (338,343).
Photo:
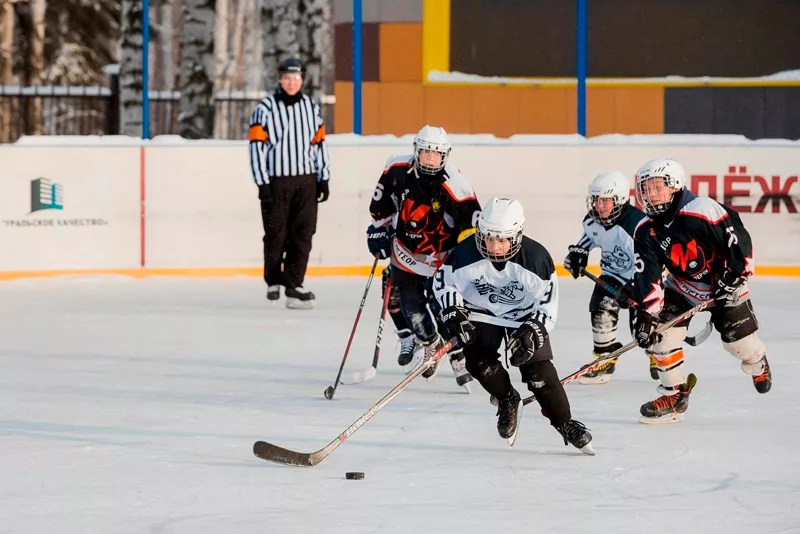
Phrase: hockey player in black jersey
(609,226)
(499,283)
(420,207)
(709,255)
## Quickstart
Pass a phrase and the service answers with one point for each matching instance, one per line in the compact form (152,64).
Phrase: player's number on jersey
(548,294)
(378,193)
(638,263)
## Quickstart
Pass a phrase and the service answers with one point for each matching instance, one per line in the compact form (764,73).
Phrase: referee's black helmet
(291,65)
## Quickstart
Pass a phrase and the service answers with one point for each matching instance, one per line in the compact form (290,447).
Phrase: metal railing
(94,110)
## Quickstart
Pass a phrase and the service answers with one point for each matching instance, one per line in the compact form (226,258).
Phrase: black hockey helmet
(292,65)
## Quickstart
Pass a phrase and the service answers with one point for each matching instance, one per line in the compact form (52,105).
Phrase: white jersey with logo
(525,287)
(615,242)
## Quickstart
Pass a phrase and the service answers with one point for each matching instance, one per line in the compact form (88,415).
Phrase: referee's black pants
(289,224)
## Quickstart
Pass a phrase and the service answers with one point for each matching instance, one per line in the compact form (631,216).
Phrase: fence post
(112,125)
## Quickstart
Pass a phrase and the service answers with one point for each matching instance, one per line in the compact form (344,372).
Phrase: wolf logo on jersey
(510,293)
(618,259)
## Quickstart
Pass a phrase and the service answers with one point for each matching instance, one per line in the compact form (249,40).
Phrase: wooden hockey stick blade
(274,453)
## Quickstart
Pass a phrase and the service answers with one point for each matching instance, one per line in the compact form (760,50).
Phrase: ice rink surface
(132,406)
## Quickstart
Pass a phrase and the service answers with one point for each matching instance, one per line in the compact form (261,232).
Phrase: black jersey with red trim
(703,239)
(429,212)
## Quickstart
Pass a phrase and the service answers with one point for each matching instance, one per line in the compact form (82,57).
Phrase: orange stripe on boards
(219,272)
(314,271)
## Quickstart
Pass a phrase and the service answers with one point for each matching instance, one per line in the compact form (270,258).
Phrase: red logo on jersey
(424,228)
(691,259)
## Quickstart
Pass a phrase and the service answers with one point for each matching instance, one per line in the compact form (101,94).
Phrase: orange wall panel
(640,110)
(401,107)
(343,110)
(449,107)
(400,52)
(544,110)
(600,110)
(494,110)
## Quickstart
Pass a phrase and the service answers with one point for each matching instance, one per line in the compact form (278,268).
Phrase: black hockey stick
(273,453)
(370,372)
(632,345)
(694,340)
(331,390)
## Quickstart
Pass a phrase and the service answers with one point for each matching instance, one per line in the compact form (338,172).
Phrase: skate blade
(467,387)
(297,304)
(436,368)
(587,449)
(513,439)
(668,419)
(594,380)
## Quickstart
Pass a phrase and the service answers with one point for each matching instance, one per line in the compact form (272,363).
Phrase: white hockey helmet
(611,185)
(500,218)
(431,138)
(670,172)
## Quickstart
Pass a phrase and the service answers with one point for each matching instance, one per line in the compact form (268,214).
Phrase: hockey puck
(354,476)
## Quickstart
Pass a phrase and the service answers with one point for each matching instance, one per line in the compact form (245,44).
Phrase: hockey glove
(265,196)
(379,241)
(527,339)
(725,288)
(456,319)
(625,297)
(644,329)
(577,259)
(323,190)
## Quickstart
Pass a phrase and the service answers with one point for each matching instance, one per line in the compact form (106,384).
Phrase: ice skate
(408,345)
(508,416)
(430,349)
(763,381)
(601,375)
(653,367)
(576,434)
(463,378)
(668,409)
(298,298)
(273,294)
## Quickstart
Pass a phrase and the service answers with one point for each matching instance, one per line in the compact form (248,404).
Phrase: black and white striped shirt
(287,140)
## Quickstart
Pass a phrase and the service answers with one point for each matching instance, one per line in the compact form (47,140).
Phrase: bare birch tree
(196,116)
(318,44)
(130,74)
(36,64)
(6,65)
(280,20)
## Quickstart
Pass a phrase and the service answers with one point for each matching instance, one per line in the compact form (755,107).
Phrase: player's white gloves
(725,288)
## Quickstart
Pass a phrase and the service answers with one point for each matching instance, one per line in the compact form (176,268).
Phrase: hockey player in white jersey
(609,226)
(498,283)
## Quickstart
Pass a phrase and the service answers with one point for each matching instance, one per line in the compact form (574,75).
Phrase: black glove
(457,321)
(379,241)
(577,259)
(625,297)
(644,328)
(724,289)
(265,196)
(527,339)
(323,190)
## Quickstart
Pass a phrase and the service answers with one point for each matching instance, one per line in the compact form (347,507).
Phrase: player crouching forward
(708,253)
(609,226)
(498,282)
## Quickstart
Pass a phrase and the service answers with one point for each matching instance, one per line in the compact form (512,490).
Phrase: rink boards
(169,206)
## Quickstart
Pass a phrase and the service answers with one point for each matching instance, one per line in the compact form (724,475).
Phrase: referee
(289,162)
